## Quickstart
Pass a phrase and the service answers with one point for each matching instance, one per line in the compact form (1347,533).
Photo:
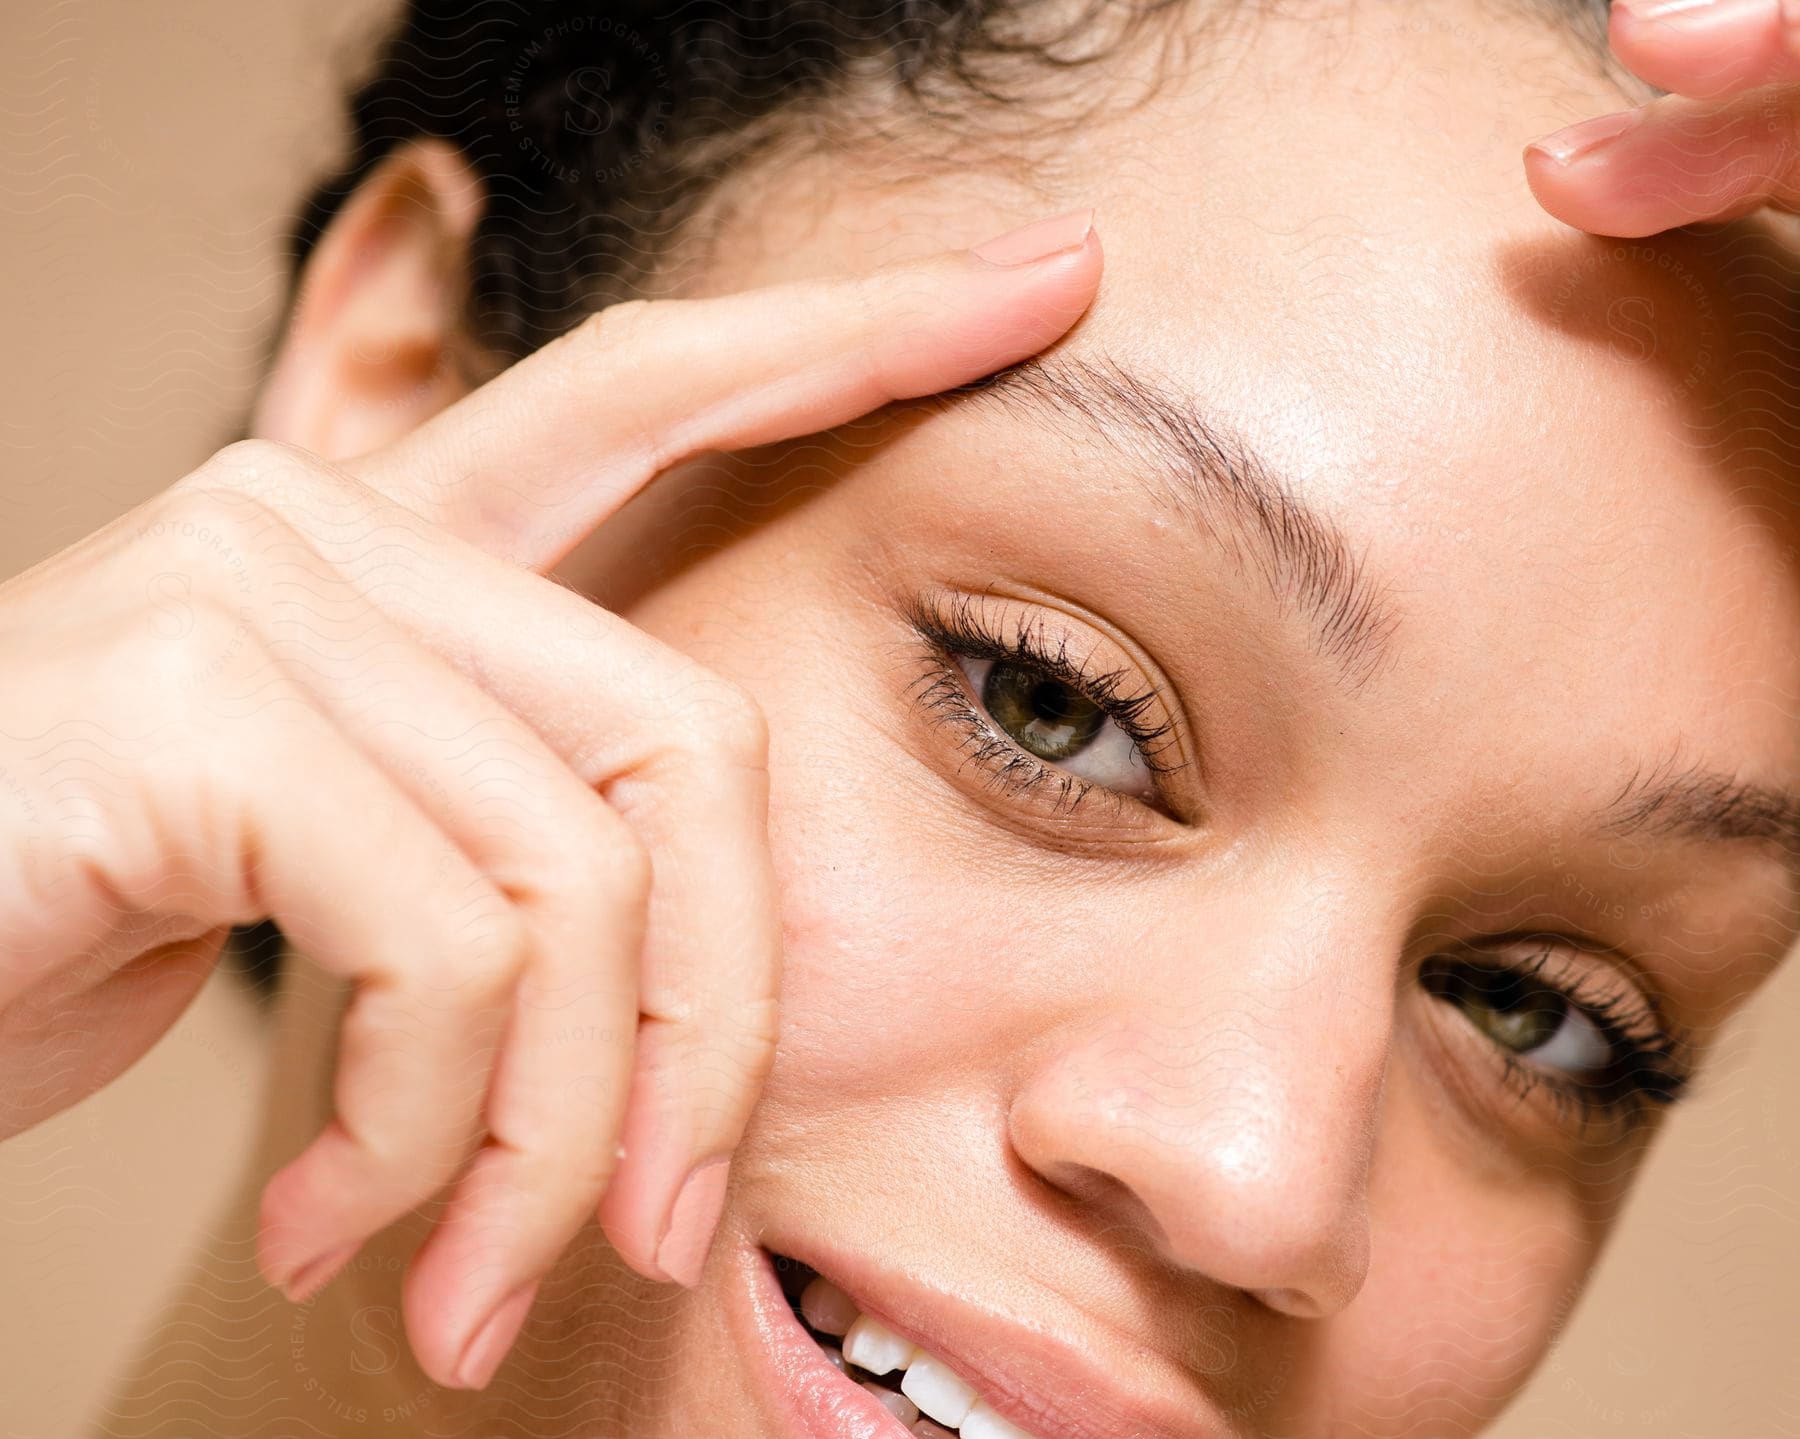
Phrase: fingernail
(1667,9)
(1578,142)
(313,1275)
(481,1359)
(1038,240)
(1689,18)
(687,1236)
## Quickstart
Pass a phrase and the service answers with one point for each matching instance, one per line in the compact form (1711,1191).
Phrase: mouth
(863,1381)
(923,1394)
(854,1349)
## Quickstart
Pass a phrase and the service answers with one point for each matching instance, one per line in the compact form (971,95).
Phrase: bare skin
(314,675)
(1155,1068)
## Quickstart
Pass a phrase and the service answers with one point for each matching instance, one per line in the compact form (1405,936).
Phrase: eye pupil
(1529,1024)
(1508,1008)
(1043,714)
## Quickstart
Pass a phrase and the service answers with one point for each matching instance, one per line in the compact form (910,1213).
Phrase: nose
(1229,1121)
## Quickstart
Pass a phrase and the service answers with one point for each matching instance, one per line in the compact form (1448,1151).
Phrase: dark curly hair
(599,129)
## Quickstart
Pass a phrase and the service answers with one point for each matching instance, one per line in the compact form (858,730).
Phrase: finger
(682,755)
(527,465)
(1707,50)
(681,752)
(351,868)
(698,794)
(552,1118)
(578,877)
(433,957)
(1673,162)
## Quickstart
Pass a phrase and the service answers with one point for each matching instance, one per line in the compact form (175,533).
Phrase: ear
(372,345)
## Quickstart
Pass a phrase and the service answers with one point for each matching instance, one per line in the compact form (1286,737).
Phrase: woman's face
(1440,564)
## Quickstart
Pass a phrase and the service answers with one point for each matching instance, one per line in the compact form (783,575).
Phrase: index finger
(530,463)
(1707,51)
(1674,161)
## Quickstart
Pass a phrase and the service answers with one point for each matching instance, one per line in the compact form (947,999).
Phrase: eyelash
(953,626)
(1649,1066)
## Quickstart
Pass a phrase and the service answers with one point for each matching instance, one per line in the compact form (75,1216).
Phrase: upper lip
(1052,1387)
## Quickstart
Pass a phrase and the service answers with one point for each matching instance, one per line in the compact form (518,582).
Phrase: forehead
(1561,452)
(1567,457)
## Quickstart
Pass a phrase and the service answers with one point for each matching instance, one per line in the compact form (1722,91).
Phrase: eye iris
(1521,1016)
(1043,714)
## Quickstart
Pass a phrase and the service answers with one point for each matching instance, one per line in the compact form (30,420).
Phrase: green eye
(1523,1016)
(1519,1016)
(1040,713)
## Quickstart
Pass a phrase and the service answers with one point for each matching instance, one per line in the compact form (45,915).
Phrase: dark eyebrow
(1209,473)
(1704,804)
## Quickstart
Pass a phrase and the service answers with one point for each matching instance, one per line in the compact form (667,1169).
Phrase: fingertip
(1061,291)
(1058,261)
(1578,176)
(982,316)
(314,1275)
(1702,50)
(1038,241)
(693,1220)
(663,1230)
(282,1246)
(494,1339)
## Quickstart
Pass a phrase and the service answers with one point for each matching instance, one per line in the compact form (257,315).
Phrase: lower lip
(797,1382)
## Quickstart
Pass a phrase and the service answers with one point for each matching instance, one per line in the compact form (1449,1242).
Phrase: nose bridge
(1230,1101)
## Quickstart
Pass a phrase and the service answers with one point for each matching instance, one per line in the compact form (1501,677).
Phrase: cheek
(885,977)
(1470,1278)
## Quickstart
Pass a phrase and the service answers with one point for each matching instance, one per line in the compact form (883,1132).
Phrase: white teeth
(982,1422)
(827,1308)
(881,1351)
(933,1401)
(938,1392)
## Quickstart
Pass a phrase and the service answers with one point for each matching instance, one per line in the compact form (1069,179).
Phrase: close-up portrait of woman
(837,719)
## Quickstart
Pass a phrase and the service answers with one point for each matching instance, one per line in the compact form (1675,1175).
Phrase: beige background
(149,157)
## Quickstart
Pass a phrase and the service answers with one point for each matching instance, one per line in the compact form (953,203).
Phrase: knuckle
(275,486)
(624,328)
(483,959)
(622,861)
(225,519)
(591,865)
(621,324)
(193,640)
(755,1030)
(554,1159)
(250,466)
(207,516)
(720,721)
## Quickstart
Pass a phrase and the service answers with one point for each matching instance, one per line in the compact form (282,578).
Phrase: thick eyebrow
(1210,475)
(1703,804)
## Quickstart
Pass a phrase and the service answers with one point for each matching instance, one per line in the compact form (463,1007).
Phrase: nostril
(1294,1302)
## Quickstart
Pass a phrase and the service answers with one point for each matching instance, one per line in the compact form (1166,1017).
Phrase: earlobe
(370,349)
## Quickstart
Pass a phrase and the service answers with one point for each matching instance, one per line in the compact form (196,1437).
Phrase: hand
(530,835)
(1725,142)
